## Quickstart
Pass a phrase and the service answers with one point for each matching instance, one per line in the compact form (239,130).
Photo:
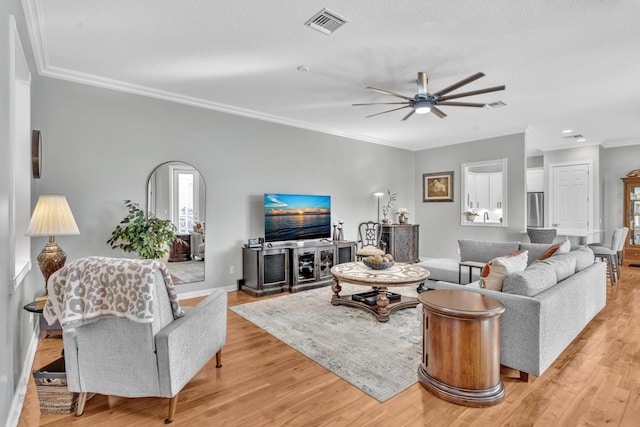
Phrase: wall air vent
(495,105)
(326,22)
(576,136)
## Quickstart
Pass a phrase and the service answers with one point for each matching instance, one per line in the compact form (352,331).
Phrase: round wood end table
(461,347)
(379,300)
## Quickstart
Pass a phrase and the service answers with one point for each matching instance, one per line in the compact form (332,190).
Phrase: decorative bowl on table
(378,265)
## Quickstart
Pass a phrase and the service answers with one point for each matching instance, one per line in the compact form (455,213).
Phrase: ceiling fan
(425,102)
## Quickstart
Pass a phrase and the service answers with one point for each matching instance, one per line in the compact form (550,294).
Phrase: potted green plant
(470,215)
(146,235)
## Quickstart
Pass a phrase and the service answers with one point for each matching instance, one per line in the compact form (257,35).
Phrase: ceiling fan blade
(422,83)
(461,83)
(462,104)
(386,92)
(380,103)
(473,92)
(409,115)
(388,111)
(438,112)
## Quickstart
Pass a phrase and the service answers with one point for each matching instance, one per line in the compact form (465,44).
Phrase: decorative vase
(402,219)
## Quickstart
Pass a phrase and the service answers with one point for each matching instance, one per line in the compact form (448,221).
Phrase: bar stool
(611,254)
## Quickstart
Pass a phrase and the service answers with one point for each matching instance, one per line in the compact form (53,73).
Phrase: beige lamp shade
(52,217)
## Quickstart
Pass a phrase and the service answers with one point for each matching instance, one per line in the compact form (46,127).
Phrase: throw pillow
(494,271)
(558,248)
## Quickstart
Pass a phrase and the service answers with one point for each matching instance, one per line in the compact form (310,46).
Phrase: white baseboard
(21,390)
(203,292)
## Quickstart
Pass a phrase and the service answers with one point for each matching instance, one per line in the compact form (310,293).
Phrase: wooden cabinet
(311,266)
(467,325)
(631,195)
(180,250)
(535,180)
(484,190)
(495,191)
(292,267)
(265,271)
(402,241)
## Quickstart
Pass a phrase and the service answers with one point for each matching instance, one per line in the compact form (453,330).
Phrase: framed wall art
(437,187)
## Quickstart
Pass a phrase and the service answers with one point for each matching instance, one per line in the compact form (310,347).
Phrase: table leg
(336,288)
(382,301)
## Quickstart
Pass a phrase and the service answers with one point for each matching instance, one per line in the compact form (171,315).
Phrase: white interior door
(571,208)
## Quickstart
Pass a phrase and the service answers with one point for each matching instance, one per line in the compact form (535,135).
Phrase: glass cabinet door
(306,266)
(634,215)
(326,262)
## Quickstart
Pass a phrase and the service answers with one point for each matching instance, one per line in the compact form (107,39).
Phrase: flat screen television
(296,217)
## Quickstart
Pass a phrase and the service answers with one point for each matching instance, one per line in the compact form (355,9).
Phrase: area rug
(380,359)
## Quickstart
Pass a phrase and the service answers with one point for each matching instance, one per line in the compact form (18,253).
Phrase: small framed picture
(437,187)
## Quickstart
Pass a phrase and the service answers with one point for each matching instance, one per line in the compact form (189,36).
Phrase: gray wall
(439,222)
(16,325)
(101,145)
(615,163)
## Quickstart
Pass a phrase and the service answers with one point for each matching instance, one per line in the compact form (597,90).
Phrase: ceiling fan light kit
(424,102)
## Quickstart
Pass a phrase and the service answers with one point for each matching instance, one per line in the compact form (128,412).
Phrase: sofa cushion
(558,248)
(563,264)
(494,271)
(444,269)
(584,257)
(481,251)
(534,249)
(536,278)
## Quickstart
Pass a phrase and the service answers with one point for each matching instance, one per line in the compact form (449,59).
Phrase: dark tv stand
(292,266)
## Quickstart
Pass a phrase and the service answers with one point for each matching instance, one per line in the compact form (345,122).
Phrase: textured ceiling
(566,64)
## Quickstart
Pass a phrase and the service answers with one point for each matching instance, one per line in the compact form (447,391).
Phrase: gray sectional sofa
(547,305)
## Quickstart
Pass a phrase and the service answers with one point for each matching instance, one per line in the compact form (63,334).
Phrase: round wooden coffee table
(461,347)
(379,300)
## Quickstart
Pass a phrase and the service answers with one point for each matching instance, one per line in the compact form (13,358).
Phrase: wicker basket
(53,394)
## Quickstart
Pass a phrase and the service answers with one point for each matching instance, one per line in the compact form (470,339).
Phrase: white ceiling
(566,64)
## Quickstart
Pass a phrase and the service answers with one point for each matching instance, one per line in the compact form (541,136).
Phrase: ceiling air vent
(494,105)
(577,136)
(326,21)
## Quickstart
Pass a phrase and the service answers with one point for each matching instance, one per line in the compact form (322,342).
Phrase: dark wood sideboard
(402,241)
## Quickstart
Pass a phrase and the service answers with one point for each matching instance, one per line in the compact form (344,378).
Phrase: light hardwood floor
(263,382)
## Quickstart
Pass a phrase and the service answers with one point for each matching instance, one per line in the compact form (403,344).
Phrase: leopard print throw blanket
(90,288)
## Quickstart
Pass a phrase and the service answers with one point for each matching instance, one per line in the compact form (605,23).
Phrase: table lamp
(52,217)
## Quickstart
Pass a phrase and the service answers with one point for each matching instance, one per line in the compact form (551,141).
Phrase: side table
(45,328)
(471,265)
(461,347)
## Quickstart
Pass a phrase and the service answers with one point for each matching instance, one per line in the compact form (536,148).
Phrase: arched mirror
(176,191)
(484,189)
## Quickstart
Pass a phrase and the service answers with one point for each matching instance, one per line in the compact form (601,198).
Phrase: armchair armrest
(185,345)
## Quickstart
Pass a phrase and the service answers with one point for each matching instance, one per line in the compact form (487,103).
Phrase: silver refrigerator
(535,209)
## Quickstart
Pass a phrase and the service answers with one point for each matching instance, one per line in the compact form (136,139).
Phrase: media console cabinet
(292,267)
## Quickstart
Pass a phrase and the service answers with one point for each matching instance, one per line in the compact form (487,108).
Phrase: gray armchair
(197,245)
(155,357)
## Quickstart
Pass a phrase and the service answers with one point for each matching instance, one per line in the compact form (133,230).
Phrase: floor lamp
(378,195)
(52,217)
